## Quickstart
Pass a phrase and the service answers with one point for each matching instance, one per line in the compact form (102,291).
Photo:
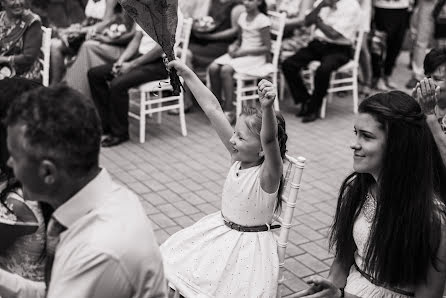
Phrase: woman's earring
(261,154)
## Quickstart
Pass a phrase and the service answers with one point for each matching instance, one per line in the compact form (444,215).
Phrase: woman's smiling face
(14,7)
(369,145)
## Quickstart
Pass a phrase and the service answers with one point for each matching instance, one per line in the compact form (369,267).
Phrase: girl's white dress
(356,283)
(251,39)
(216,261)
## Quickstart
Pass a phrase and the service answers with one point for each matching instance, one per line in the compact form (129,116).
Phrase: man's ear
(48,172)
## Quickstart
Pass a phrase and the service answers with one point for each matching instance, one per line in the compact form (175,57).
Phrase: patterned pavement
(180,179)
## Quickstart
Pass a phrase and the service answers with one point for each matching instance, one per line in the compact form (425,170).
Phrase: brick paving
(179,179)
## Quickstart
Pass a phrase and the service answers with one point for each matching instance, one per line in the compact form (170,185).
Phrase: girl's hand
(426,93)
(267,93)
(323,287)
(181,68)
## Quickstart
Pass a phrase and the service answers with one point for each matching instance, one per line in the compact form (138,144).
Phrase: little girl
(246,55)
(232,253)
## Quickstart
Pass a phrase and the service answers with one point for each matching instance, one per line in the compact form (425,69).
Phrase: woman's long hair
(405,234)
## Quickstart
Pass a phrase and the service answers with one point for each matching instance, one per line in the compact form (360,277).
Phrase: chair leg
(238,98)
(142,117)
(355,93)
(276,101)
(323,107)
(182,116)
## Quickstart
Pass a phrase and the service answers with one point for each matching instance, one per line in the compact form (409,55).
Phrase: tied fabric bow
(158,18)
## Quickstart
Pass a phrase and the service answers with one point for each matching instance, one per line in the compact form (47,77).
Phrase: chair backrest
(183,42)
(45,60)
(292,178)
(357,44)
(277,27)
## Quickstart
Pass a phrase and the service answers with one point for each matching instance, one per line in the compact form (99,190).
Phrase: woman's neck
(252,13)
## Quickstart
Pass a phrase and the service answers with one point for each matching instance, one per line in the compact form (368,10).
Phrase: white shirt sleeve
(90,274)
(15,286)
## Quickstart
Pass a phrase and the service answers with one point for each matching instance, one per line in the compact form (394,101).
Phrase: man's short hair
(61,124)
(434,59)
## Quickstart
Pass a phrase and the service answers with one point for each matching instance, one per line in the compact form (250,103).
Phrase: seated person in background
(103,47)
(194,9)
(246,55)
(336,22)
(294,38)
(20,41)
(25,255)
(140,62)
(68,40)
(205,47)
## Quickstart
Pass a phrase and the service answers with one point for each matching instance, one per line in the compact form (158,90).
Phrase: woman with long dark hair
(389,233)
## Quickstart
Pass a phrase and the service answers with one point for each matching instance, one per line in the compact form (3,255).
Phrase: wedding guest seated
(67,41)
(102,47)
(205,46)
(20,41)
(100,242)
(23,255)
(389,230)
(140,62)
(336,22)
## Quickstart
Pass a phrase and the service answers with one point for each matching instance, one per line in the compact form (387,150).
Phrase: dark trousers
(110,94)
(331,56)
(394,22)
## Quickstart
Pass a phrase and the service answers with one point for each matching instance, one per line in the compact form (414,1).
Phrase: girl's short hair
(405,234)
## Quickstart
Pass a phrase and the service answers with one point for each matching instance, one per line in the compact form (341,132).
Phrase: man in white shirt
(104,244)
(336,23)
(140,62)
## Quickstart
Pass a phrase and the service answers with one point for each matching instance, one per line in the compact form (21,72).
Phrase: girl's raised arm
(207,101)
(273,165)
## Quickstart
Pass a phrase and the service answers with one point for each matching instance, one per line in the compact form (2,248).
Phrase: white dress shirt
(345,19)
(108,250)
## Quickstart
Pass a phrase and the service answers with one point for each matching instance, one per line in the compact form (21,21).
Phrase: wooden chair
(343,79)
(292,178)
(246,85)
(149,96)
(45,60)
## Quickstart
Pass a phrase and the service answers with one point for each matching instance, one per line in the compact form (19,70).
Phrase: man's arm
(15,286)
(329,31)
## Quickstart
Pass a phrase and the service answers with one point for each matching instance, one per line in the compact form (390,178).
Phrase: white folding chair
(343,79)
(45,60)
(292,178)
(149,96)
(246,88)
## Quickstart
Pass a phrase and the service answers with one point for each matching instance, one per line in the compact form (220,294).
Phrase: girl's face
(14,7)
(246,145)
(369,145)
(251,5)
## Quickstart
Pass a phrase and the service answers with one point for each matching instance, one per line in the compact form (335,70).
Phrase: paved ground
(179,179)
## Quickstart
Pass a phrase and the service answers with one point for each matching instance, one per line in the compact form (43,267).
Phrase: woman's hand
(426,93)
(267,93)
(181,68)
(320,288)
(233,48)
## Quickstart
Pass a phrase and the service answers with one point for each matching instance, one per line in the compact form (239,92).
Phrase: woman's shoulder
(31,17)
